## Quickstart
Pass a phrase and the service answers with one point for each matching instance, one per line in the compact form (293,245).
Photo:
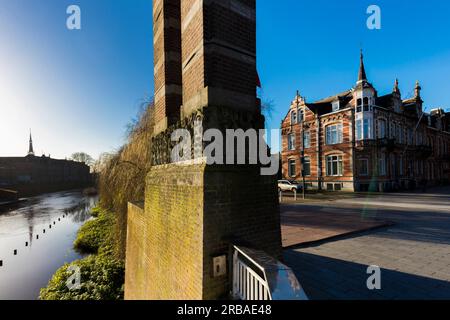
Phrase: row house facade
(360,141)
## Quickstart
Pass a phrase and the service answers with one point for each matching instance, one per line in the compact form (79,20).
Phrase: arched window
(301,115)
(293,117)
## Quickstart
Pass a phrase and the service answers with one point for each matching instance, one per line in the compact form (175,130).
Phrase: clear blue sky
(77,90)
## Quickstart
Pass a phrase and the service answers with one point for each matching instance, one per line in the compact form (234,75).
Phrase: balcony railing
(257,276)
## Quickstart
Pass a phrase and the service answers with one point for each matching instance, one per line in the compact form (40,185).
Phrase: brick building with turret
(358,140)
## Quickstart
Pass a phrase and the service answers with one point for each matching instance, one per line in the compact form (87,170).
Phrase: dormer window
(336,106)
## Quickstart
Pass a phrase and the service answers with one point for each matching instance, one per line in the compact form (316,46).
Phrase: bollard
(54,222)
(59,219)
(37,237)
(50,226)
(295,195)
(26,244)
(15,252)
(43,231)
(1,263)
(281,196)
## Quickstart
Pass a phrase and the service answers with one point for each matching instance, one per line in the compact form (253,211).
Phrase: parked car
(286,185)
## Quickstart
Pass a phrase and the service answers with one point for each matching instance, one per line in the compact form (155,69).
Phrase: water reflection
(39,254)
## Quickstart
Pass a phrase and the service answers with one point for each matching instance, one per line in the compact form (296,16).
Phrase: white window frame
(294,119)
(292,162)
(338,128)
(366,129)
(307,160)
(291,142)
(300,115)
(339,161)
(359,129)
(336,105)
(307,142)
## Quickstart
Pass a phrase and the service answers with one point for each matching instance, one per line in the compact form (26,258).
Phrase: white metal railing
(248,284)
(257,276)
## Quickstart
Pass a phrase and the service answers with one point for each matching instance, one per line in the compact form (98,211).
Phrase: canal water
(41,250)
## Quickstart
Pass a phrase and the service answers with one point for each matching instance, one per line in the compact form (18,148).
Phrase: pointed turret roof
(362,76)
(362,70)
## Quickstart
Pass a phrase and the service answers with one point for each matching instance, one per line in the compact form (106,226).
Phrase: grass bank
(102,273)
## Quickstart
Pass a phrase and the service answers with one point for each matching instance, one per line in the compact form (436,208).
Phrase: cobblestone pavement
(414,254)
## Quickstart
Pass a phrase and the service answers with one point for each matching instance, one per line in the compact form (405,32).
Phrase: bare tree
(83,157)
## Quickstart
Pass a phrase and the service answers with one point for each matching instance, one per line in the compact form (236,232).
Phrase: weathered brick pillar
(194,211)
(167,63)
(218,54)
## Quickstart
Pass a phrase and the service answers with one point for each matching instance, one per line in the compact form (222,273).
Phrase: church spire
(362,70)
(30,149)
(396,88)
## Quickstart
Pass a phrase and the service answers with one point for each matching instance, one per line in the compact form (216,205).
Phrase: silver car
(286,185)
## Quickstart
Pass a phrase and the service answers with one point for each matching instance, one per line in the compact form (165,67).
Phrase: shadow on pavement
(325,278)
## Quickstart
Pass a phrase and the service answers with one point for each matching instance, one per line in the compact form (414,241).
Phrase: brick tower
(167,62)
(193,211)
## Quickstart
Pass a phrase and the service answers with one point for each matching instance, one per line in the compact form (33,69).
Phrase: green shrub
(95,212)
(102,278)
(95,233)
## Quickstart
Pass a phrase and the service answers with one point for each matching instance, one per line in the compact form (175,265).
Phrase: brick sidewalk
(413,254)
(299,227)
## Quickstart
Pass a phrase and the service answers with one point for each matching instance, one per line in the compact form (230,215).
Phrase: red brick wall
(167,60)
(218,50)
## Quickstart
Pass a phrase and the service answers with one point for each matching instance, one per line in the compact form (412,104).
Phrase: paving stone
(414,255)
